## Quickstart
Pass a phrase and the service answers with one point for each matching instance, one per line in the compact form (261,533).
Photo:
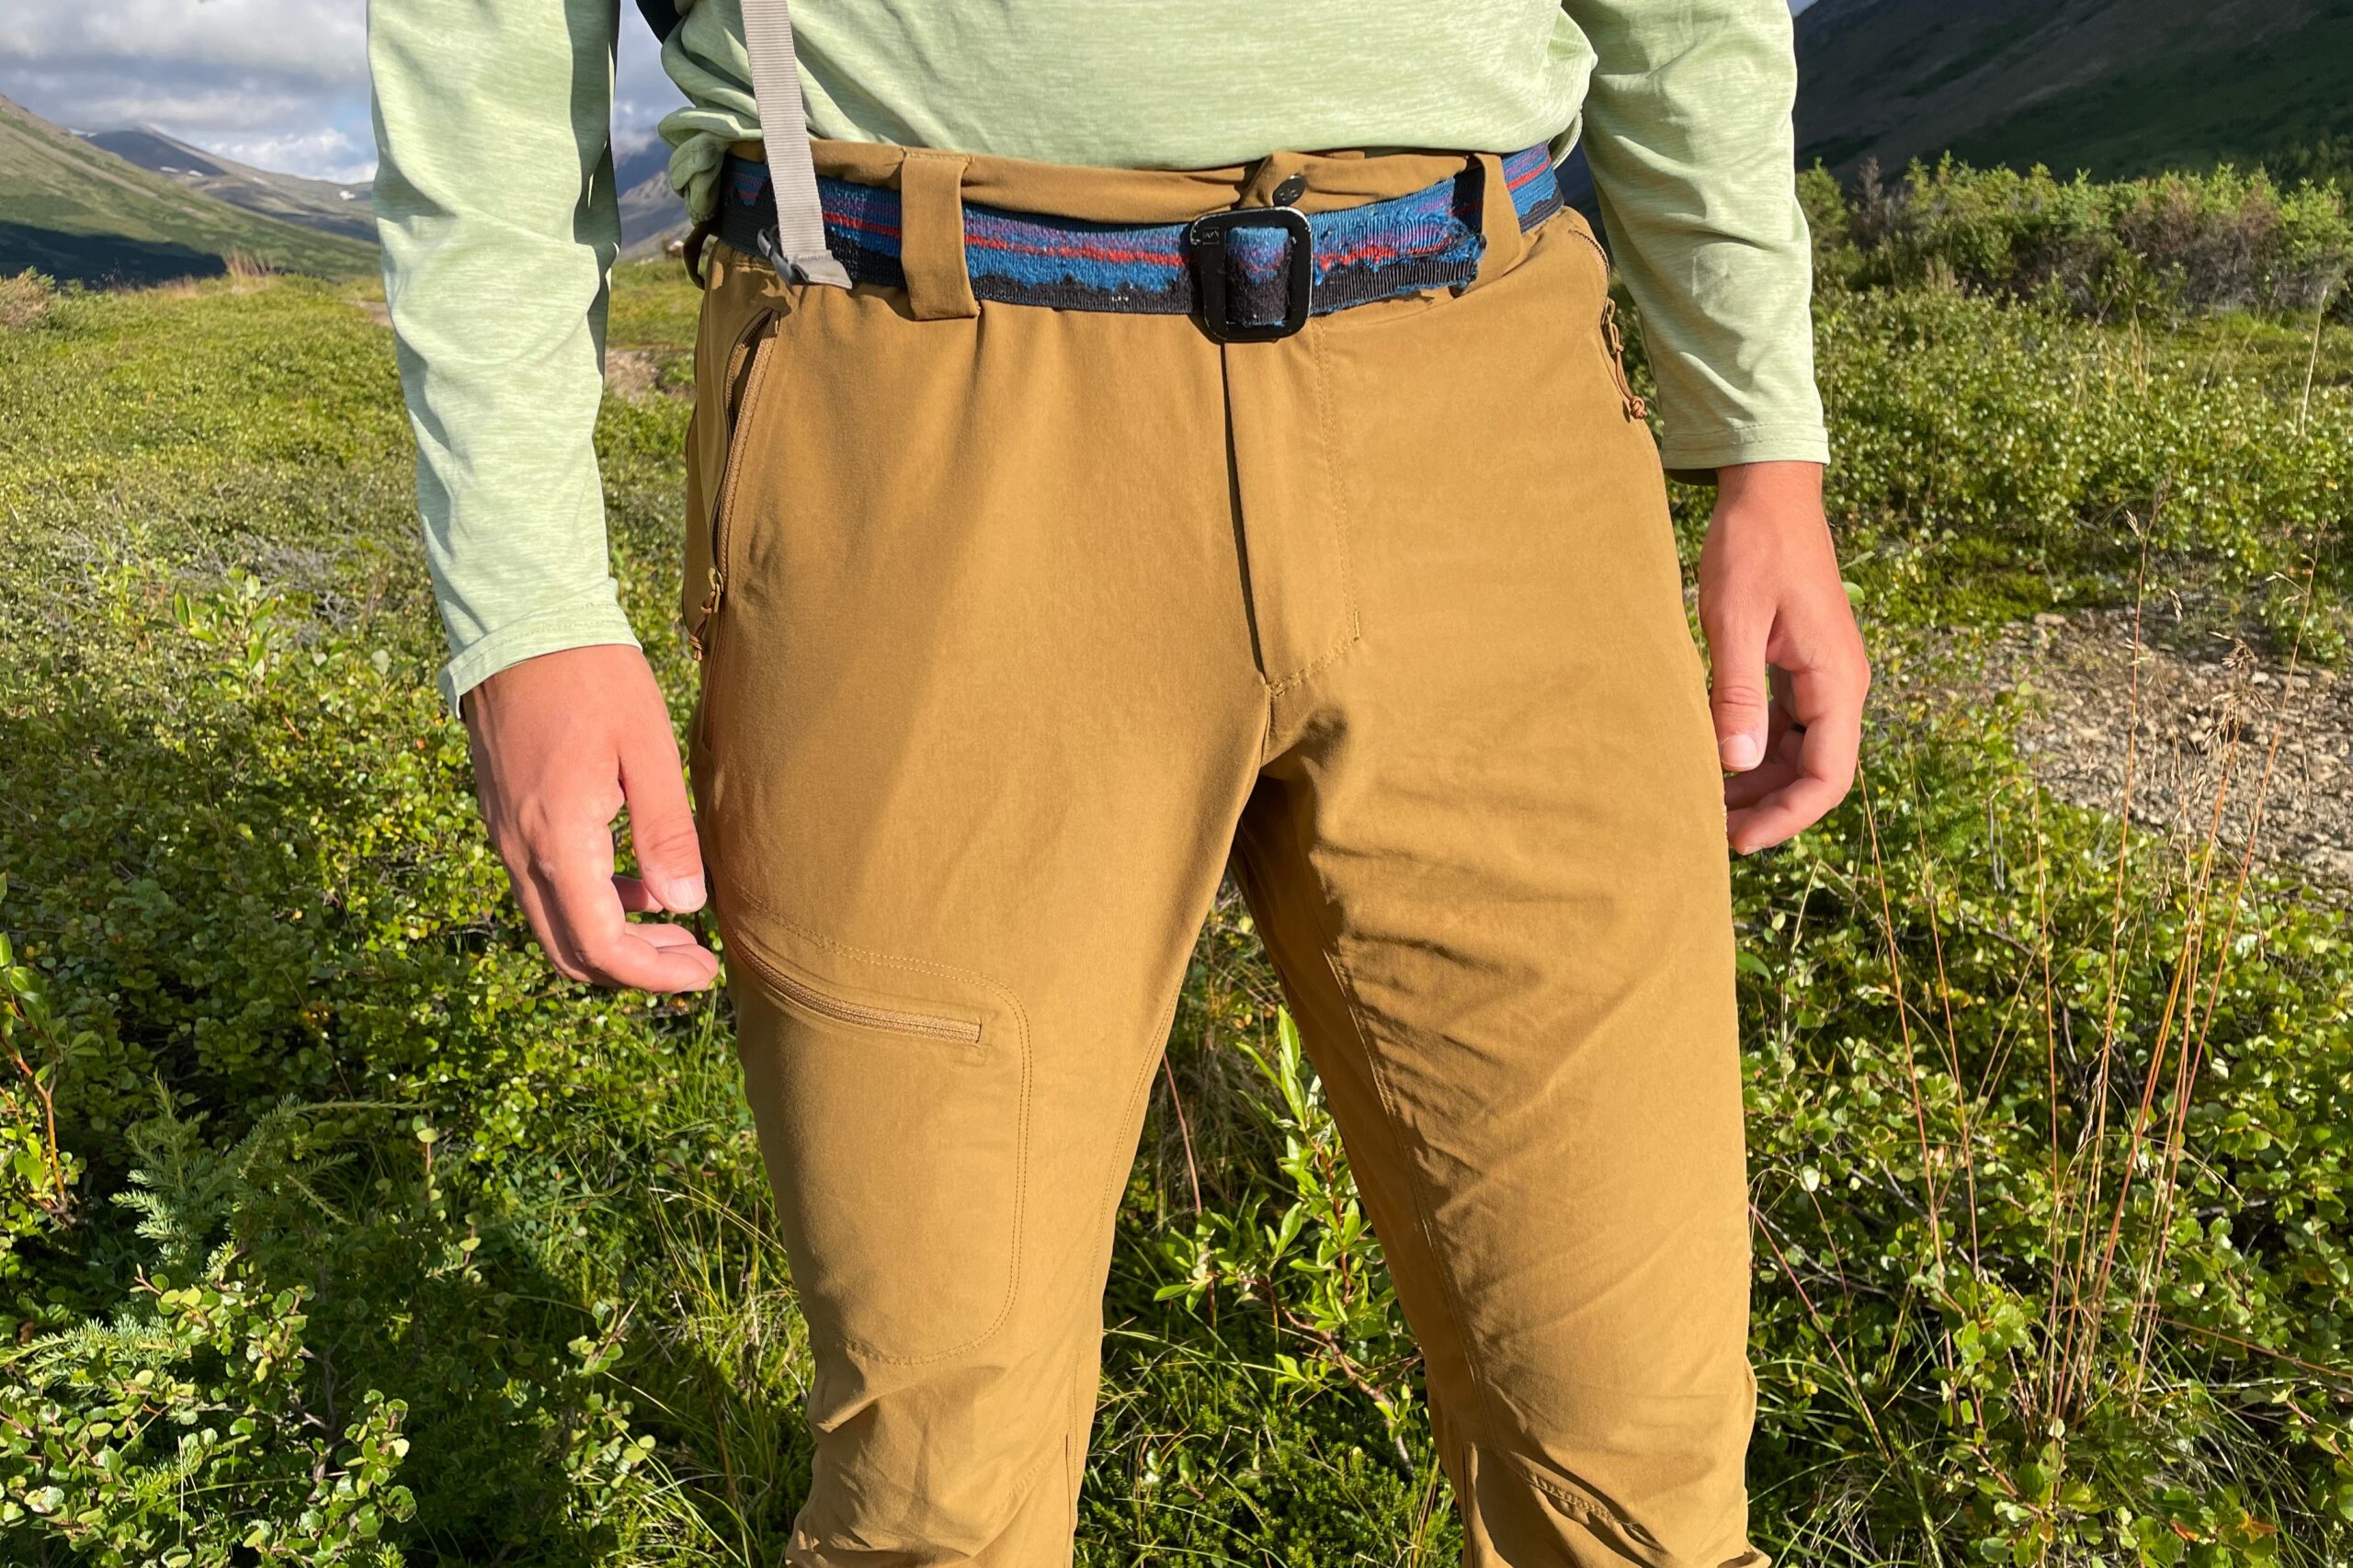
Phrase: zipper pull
(708,607)
(1636,406)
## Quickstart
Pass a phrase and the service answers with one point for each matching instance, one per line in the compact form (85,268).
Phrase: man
(1089,541)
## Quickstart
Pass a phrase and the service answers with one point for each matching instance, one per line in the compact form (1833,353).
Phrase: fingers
(1813,764)
(562,875)
(589,937)
(662,934)
(661,825)
(563,744)
(1770,595)
(635,896)
(1737,694)
(1779,768)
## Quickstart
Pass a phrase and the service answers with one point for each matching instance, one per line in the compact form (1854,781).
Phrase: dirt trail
(2205,716)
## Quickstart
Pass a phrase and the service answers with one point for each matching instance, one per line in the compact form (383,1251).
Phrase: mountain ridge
(333,207)
(81,213)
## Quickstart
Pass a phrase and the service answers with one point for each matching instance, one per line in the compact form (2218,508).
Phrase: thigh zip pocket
(892,1102)
(747,362)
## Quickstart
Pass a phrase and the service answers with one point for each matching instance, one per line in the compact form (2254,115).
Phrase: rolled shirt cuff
(591,620)
(1696,458)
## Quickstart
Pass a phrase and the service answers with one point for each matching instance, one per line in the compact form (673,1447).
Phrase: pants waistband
(1316,240)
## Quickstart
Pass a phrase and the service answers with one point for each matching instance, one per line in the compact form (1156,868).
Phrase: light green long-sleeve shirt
(494,198)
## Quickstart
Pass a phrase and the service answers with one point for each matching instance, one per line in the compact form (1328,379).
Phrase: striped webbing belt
(1246,274)
(1249,273)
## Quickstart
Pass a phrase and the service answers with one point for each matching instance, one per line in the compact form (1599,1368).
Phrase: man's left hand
(1788,671)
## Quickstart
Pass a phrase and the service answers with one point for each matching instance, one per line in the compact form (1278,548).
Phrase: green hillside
(2115,88)
(80,213)
(307,203)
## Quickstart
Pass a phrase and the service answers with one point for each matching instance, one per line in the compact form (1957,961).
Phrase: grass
(2049,1157)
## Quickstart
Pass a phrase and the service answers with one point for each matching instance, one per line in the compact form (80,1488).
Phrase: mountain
(311,203)
(80,213)
(651,213)
(2115,88)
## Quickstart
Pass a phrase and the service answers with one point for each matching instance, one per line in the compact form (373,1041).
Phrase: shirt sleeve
(1687,127)
(495,207)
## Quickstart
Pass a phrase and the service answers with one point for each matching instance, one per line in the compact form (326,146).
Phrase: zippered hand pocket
(799,993)
(892,1099)
(1613,341)
(747,366)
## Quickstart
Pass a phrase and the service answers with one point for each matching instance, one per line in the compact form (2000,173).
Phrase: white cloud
(278,83)
(642,91)
(318,41)
(322,154)
(102,100)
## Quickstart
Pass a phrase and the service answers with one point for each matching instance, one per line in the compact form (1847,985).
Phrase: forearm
(498,224)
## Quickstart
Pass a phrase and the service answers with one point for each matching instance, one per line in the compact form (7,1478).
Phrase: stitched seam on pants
(1599,1516)
(1338,528)
(1038,1467)
(1021,1139)
(1576,1503)
(1480,1387)
(1106,1198)
(1585,1507)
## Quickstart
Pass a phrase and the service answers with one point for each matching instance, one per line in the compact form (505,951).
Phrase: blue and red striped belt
(1247,274)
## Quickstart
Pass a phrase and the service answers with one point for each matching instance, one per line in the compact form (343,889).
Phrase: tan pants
(1019,624)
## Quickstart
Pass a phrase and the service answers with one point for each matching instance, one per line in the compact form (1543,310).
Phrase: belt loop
(931,236)
(1498,222)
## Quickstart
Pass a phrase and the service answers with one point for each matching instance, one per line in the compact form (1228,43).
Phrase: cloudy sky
(278,84)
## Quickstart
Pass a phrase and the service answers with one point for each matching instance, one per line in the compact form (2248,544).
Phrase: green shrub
(37,1196)
(2031,458)
(194,1390)
(2147,247)
(1993,459)
(531,1218)
(2049,1154)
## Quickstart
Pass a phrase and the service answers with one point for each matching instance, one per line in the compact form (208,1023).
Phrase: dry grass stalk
(24,299)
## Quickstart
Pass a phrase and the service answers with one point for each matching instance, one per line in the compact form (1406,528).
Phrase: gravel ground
(638,372)
(2200,724)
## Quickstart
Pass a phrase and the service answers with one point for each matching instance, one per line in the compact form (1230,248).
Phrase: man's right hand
(561,743)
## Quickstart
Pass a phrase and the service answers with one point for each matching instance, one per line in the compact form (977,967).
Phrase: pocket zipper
(748,345)
(891,1020)
(1635,405)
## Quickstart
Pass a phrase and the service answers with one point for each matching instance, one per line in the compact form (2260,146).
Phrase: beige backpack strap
(796,246)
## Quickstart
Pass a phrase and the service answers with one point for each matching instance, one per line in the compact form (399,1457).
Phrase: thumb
(1738,694)
(661,825)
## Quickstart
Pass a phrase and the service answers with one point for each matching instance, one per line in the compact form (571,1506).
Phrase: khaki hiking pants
(1018,625)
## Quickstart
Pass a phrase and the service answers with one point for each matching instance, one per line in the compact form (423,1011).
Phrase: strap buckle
(1206,247)
(823,267)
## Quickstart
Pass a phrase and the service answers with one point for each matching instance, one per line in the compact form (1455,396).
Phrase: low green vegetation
(2040,401)
(335,1228)
(75,212)
(2158,249)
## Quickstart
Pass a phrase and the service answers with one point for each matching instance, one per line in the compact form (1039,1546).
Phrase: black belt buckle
(1205,245)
